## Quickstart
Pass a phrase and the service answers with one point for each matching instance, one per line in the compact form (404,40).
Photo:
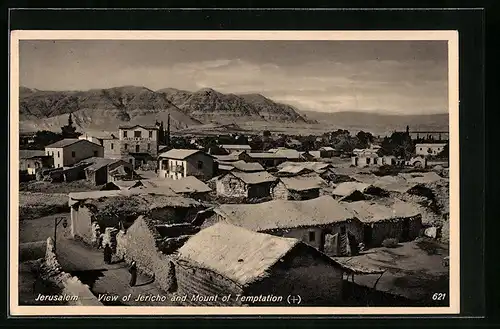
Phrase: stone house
(311,221)
(178,163)
(242,166)
(150,243)
(116,208)
(32,161)
(266,159)
(245,185)
(297,188)
(224,259)
(101,170)
(137,141)
(189,186)
(401,221)
(68,152)
(326,152)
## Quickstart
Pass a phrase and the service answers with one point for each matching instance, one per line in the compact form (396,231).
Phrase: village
(328,220)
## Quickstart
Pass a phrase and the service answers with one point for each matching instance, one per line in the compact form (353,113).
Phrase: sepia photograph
(240,172)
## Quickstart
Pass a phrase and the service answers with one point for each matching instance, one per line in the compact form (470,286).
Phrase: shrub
(390,243)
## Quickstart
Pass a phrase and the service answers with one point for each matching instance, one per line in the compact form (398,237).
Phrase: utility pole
(57,221)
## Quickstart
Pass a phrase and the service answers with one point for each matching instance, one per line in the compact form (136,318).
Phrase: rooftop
(97,163)
(236,253)
(368,211)
(178,154)
(134,126)
(281,214)
(247,166)
(254,177)
(303,183)
(189,184)
(346,188)
(236,147)
(27,154)
(68,142)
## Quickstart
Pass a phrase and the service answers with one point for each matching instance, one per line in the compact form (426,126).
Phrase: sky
(390,77)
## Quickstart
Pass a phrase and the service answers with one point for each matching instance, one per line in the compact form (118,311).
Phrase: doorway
(367,235)
(405,235)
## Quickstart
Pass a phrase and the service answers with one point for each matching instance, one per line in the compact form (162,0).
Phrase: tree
(399,145)
(69,131)
(364,139)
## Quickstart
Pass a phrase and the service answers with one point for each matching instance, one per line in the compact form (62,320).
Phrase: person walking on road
(107,254)
(133,274)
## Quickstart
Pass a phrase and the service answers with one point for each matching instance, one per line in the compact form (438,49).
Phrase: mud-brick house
(178,163)
(266,159)
(312,221)
(101,170)
(120,208)
(401,221)
(32,161)
(245,185)
(150,243)
(224,259)
(68,152)
(297,188)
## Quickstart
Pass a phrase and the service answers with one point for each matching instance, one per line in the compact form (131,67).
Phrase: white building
(179,163)
(429,148)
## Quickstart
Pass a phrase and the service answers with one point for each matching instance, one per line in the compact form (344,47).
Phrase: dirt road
(113,279)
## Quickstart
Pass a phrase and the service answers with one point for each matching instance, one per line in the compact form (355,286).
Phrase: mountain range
(106,109)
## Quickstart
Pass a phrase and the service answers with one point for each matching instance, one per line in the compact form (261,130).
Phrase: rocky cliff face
(106,109)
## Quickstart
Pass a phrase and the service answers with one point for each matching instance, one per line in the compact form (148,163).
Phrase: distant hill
(380,124)
(106,109)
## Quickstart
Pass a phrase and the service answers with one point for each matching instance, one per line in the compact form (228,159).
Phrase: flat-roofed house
(314,221)
(68,152)
(179,163)
(429,148)
(401,221)
(224,259)
(250,185)
(230,148)
(298,187)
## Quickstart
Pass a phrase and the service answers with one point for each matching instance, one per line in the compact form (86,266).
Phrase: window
(149,147)
(125,146)
(137,148)
(150,134)
(130,160)
(58,154)
(420,149)
(112,146)
(312,236)
(73,154)
(95,153)
(137,134)
(200,164)
(124,134)
(367,160)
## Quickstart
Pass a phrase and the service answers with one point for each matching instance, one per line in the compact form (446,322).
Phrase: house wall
(259,190)
(193,281)
(206,172)
(394,229)
(142,141)
(83,150)
(303,233)
(138,243)
(279,191)
(230,186)
(429,149)
(315,280)
(81,223)
(112,148)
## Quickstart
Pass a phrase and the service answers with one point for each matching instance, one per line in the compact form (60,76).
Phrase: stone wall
(71,286)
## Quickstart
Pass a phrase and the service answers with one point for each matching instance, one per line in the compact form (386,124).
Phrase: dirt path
(113,279)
